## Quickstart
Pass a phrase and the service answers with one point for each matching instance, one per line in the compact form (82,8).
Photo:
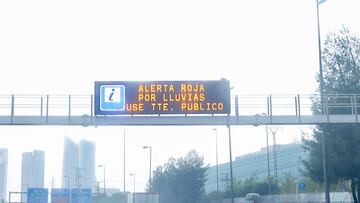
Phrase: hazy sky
(62,47)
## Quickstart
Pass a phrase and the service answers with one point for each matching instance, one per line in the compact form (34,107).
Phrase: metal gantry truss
(245,110)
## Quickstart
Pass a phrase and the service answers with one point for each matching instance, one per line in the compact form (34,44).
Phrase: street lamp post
(231,166)
(230,156)
(124,162)
(324,151)
(24,188)
(104,178)
(217,161)
(68,181)
(268,158)
(133,174)
(149,147)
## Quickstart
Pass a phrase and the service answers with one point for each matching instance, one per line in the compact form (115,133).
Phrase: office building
(3,173)
(32,174)
(78,164)
(87,163)
(70,171)
(288,161)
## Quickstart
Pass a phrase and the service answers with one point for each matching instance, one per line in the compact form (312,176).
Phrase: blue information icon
(112,98)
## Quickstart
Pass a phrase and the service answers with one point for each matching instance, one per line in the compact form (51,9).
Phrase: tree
(288,185)
(115,198)
(341,69)
(181,180)
(253,185)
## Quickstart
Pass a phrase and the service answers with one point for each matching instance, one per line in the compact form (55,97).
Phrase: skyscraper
(3,173)
(32,174)
(71,171)
(78,164)
(87,163)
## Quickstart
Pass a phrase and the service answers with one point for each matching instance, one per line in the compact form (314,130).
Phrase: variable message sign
(162,97)
(60,195)
(80,195)
(37,195)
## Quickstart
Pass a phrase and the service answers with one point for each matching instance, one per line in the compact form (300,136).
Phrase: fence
(335,197)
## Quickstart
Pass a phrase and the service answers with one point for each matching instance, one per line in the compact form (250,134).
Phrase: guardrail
(46,105)
(241,105)
(245,109)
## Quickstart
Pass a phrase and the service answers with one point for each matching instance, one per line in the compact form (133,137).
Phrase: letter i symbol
(111,95)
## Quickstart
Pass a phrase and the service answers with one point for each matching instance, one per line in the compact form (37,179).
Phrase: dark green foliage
(341,60)
(181,180)
(253,185)
(115,198)
(287,185)
(341,69)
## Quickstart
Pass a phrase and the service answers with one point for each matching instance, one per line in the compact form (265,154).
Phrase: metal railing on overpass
(245,110)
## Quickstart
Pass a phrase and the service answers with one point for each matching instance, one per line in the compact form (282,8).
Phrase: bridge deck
(178,120)
(246,110)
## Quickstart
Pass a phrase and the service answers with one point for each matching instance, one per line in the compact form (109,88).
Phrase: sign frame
(162,97)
